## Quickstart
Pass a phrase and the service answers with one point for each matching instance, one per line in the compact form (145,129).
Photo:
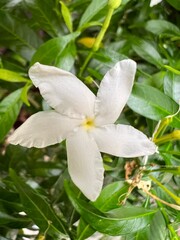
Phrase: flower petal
(85,163)
(43,129)
(122,141)
(114,92)
(63,91)
(154,2)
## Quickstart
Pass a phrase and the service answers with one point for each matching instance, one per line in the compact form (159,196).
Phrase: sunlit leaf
(172,85)
(147,51)
(152,103)
(11,76)
(67,16)
(9,110)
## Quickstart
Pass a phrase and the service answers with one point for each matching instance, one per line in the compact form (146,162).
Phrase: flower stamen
(88,123)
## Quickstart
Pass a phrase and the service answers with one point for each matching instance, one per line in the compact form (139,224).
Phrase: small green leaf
(67,16)
(147,51)
(164,27)
(11,76)
(172,86)
(152,103)
(110,196)
(93,8)
(37,208)
(9,110)
(50,51)
(119,221)
(24,94)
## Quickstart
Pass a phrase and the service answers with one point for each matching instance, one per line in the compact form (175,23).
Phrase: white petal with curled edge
(43,129)
(63,91)
(85,163)
(114,92)
(123,141)
(154,2)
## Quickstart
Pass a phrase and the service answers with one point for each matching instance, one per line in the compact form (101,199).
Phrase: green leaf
(45,16)
(24,94)
(172,86)
(157,228)
(164,27)
(110,196)
(17,35)
(11,76)
(108,200)
(147,51)
(120,221)
(67,16)
(93,9)
(174,3)
(84,230)
(50,51)
(9,110)
(152,103)
(37,208)
(66,59)
(6,218)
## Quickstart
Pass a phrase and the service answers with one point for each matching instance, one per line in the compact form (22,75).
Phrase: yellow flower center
(88,123)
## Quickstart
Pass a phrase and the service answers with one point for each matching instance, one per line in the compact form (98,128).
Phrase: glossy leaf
(172,85)
(152,103)
(93,8)
(67,16)
(111,195)
(147,51)
(11,76)
(37,208)
(108,200)
(9,110)
(50,51)
(164,27)
(66,59)
(120,221)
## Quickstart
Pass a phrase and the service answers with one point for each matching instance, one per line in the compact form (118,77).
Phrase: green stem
(177,199)
(99,39)
(175,135)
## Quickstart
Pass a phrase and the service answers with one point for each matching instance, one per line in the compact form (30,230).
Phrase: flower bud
(176,134)
(114,3)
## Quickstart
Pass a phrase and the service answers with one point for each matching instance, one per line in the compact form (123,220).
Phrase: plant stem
(99,39)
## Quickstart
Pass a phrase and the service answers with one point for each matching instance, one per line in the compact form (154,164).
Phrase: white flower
(154,2)
(85,121)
